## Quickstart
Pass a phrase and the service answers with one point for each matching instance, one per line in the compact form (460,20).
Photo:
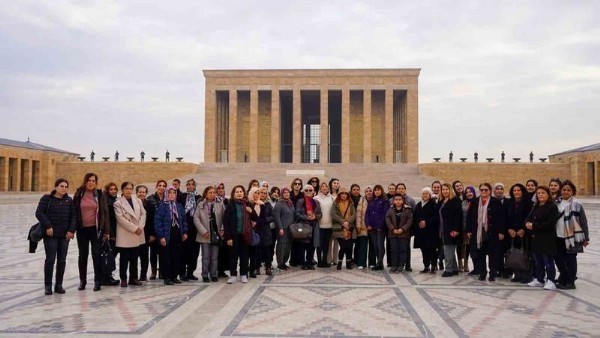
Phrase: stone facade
(310,116)
(584,165)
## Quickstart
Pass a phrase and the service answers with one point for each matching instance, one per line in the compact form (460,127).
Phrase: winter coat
(361,211)
(284,216)
(152,203)
(301,216)
(58,213)
(263,224)
(202,219)
(405,221)
(102,211)
(450,219)
(337,219)
(496,214)
(543,232)
(128,221)
(516,214)
(427,237)
(376,211)
(163,221)
(112,218)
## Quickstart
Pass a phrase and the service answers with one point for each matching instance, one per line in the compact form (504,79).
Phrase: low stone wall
(507,173)
(119,172)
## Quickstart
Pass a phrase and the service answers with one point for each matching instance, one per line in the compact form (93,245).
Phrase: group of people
(167,230)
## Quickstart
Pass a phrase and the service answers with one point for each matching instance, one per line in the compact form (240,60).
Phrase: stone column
(389,125)
(297,126)
(253,151)
(17,182)
(367,157)
(411,126)
(232,152)
(210,120)
(275,126)
(346,124)
(5,170)
(324,147)
(27,175)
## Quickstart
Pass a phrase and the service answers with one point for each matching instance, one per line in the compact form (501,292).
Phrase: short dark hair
(141,186)
(235,188)
(191,180)
(109,185)
(59,181)
(570,184)
(487,184)
(125,184)
(206,190)
(547,190)
(176,180)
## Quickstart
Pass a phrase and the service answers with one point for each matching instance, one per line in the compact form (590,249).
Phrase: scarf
(344,205)
(246,225)
(288,201)
(308,204)
(482,219)
(172,206)
(441,231)
(572,230)
(190,203)
(355,200)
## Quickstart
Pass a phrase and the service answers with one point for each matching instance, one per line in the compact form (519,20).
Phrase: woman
(391,192)
(91,210)
(111,192)
(131,220)
(223,264)
(265,231)
(426,229)
(343,216)
(221,193)
(531,185)
(208,220)
(572,235)
(253,184)
(152,204)
(463,245)
(450,220)
(334,187)
(272,198)
(375,221)
(325,224)
(296,195)
(401,189)
(170,226)
(263,228)
(191,248)
(237,225)
(555,186)
(56,214)
(362,234)
(314,181)
(459,189)
(517,209)
(486,224)
(308,211)
(141,191)
(541,223)
(398,220)
(284,215)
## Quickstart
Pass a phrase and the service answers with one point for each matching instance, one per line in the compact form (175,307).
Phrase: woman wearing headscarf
(191,248)
(56,214)
(131,219)
(284,215)
(308,210)
(325,223)
(362,234)
(469,194)
(171,228)
(208,221)
(343,216)
(517,208)
(426,229)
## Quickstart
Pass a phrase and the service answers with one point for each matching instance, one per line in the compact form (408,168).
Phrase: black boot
(48,290)
(348,265)
(60,273)
(339,265)
(82,284)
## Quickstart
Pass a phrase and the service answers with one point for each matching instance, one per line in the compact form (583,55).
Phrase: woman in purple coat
(375,221)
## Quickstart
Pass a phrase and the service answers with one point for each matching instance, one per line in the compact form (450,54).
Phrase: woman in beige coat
(208,219)
(131,218)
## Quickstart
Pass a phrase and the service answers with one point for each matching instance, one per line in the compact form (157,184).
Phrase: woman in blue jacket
(375,221)
(171,230)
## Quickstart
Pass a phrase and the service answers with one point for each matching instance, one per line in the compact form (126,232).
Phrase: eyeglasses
(486,189)
(297,183)
(308,190)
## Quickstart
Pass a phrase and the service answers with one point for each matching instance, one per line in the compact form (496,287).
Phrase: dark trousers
(86,237)
(323,249)
(154,250)
(360,250)
(56,249)
(170,255)
(128,258)
(308,254)
(275,239)
(254,253)
(566,263)
(388,247)
(430,257)
(191,250)
(372,256)
(397,252)
(544,266)
(490,250)
(223,260)
(144,259)
(345,250)
(378,240)
(297,255)
(408,256)
(238,250)
(266,255)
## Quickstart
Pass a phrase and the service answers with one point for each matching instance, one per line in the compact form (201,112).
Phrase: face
(176,184)
(142,193)
(368,193)
(445,192)
(335,185)
(313,183)
(324,189)
(517,192)
(542,196)
(567,192)
(286,195)
(436,188)
(485,191)
(190,186)
(425,196)
(459,187)
(221,190)
(211,195)
(275,195)
(256,195)
(265,185)
(355,191)
(160,188)
(297,186)
(62,188)
(255,184)
(344,196)
(378,192)
(263,194)
(530,187)
(238,194)
(398,201)
(309,192)
(401,189)
(499,191)
(128,191)
(554,187)
(469,194)
(91,183)
(391,189)
(113,191)
(172,195)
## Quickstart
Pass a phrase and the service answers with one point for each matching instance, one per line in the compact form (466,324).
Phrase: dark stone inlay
(451,323)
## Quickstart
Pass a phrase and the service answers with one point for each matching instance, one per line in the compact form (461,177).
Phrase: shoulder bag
(517,259)
(301,231)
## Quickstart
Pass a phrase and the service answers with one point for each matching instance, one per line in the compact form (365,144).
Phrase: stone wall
(507,173)
(118,172)
(585,169)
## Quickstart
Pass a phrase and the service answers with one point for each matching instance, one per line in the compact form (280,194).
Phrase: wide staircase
(281,174)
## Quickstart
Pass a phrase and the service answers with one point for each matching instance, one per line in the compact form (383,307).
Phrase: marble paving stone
(331,276)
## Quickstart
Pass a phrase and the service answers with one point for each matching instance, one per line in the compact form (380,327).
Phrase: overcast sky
(127,75)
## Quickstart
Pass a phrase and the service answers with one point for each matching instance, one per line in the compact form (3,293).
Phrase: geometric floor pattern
(294,303)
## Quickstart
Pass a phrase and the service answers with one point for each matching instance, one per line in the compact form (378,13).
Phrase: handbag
(301,230)
(36,232)
(107,259)
(254,238)
(516,259)
(215,236)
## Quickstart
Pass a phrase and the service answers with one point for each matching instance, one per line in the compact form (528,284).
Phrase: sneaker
(232,280)
(549,285)
(535,283)
(244,279)
(360,267)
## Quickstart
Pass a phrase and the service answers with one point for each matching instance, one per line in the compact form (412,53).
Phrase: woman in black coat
(56,214)
(517,208)
(541,223)
(450,220)
(486,224)
(308,211)
(426,230)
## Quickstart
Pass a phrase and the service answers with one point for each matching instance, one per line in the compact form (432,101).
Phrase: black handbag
(301,231)
(36,232)
(215,236)
(107,259)
(516,259)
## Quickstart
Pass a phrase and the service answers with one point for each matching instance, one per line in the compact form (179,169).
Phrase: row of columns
(18,176)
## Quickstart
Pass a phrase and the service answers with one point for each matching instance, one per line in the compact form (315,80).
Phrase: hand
(230,242)
(249,210)
(281,233)
(369,228)
(512,233)
(206,235)
(222,232)
(138,231)
(69,235)
(469,235)
(529,225)
(453,234)
(400,231)
(163,241)
(106,237)
(501,237)
(586,242)
(184,237)
(151,239)
(422,224)
(521,233)
(50,232)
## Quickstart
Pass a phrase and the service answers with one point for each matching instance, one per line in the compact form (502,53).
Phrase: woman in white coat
(131,218)
(208,219)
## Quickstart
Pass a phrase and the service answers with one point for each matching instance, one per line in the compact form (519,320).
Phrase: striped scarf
(572,231)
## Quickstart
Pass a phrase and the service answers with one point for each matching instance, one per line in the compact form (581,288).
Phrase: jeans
(450,258)
(210,259)
(378,239)
(544,265)
(128,257)
(360,250)
(323,249)
(345,249)
(86,237)
(566,263)
(56,249)
(170,256)
(238,250)
(398,251)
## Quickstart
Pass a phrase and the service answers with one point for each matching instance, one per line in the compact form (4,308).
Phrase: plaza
(296,303)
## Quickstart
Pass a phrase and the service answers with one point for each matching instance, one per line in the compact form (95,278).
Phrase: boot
(348,265)
(60,273)
(339,265)
(48,290)
(82,284)
(153,274)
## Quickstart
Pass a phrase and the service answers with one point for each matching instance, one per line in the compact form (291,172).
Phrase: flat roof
(379,72)
(33,146)
(591,147)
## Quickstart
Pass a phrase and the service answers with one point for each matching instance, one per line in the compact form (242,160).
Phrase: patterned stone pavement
(296,303)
